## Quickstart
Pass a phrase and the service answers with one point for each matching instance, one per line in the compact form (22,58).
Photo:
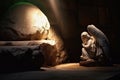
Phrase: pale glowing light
(40,21)
(51,42)
(67,66)
(28,19)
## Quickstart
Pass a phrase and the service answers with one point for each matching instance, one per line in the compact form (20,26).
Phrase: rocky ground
(69,71)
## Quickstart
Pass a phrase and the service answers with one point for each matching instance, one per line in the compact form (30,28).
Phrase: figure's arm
(93,39)
(88,44)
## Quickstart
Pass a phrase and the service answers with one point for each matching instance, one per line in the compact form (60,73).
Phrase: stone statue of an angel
(95,48)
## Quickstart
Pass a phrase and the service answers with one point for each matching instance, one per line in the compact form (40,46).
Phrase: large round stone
(24,21)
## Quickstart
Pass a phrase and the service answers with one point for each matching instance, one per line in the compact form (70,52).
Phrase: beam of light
(54,6)
(59,15)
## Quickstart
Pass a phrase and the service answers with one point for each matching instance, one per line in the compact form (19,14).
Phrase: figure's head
(85,36)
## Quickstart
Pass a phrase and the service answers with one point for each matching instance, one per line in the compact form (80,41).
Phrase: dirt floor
(69,71)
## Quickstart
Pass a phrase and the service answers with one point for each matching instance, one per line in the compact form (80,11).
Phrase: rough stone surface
(20,58)
(24,21)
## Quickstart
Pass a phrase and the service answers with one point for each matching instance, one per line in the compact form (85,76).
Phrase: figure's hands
(83,44)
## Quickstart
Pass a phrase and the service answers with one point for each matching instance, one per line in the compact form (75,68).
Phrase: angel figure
(95,50)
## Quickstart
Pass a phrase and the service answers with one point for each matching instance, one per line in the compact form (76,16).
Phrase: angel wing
(100,37)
